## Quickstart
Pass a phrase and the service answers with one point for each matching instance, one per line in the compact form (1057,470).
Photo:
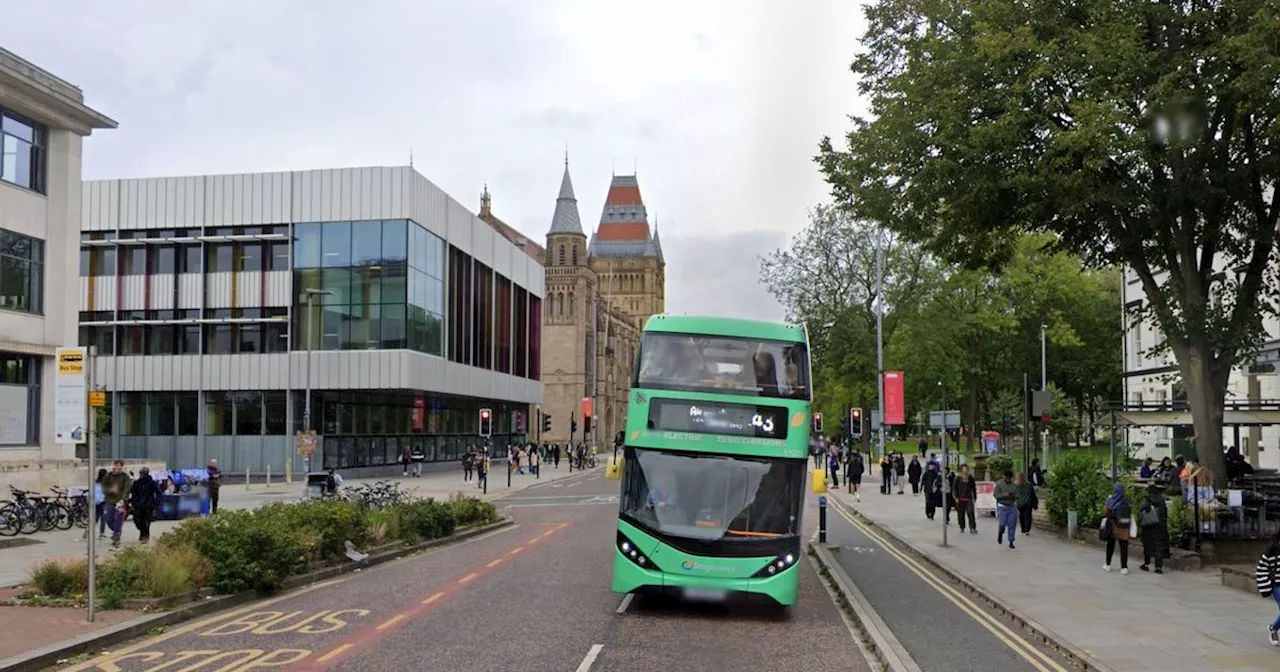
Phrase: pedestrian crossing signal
(855,422)
(546,422)
(486,422)
(817,423)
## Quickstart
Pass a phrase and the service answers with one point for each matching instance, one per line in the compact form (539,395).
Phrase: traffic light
(855,422)
(846,427)
(546,421)
(486,422)
(573,426)
(817,423)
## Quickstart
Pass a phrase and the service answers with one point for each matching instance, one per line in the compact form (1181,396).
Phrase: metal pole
(880,334)
(1112,432)
(90,499)
(1026,424)
(306,400)
(946,462)
(1044,385)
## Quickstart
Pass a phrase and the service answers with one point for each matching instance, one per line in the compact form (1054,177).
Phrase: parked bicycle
(376,495)
(34,512)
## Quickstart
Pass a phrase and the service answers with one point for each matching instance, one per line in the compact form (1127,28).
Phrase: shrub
(326,524)
(245,549)
(1181,521)
(426,519)
(1076,485)
(61,578)
(470,511)
(997,465)
(156,572)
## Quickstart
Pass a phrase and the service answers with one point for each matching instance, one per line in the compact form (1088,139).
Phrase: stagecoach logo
(640,399)
(689,566)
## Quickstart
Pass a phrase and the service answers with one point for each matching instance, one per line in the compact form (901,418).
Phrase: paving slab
(1186,620)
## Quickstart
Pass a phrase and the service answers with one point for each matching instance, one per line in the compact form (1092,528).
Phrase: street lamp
(946,461)
(311,294)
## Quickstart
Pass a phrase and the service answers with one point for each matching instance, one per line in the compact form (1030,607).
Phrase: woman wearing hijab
(1153,517)
(1119,516)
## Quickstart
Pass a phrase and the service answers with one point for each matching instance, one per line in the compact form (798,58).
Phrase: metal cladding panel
(103,295)
(483,240)
(132,288)
(536,276)
(100,205)
(245,199)
(217,291)
(500,254)
(155,203)
(248,289)
(190,291)
(460,228)
(429,205)
(162,295)
(278,288)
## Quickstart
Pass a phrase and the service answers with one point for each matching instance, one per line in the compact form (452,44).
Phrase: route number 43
(762,423)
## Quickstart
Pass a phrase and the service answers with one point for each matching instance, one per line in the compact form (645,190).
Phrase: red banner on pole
(895,410)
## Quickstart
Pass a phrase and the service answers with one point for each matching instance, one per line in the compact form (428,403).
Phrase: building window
(560,257)
(21,272)
(22,151)
(97,261)
(19,399)
(218,413)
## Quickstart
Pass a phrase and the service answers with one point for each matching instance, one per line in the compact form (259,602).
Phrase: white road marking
(573,484)
(626,602)
(587,662)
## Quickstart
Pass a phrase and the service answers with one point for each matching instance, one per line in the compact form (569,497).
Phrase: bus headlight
(776,566)
(631,552)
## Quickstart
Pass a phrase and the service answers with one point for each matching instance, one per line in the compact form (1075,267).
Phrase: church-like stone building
(599,292)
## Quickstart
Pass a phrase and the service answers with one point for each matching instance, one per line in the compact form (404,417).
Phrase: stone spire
(566,219)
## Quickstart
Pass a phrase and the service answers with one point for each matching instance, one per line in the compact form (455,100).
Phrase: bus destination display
(702,417)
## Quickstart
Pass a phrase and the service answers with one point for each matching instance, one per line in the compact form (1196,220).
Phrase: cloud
(720,103)
(718,275)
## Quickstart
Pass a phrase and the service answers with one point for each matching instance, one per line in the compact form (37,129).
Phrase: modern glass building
(215,302)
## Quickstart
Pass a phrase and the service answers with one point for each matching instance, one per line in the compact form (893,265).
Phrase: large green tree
(1138,133)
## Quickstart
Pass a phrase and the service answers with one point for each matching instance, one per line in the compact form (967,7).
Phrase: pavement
(1171,622)
(534,596)
(17,562)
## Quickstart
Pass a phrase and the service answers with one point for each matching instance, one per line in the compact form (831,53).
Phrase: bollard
(288,470)
(537,469)
(246,478)
(822,520)
(268,475)
(1073,522)
(511,466)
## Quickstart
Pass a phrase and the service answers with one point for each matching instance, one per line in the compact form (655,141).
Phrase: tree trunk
(1206,386)
(973,413)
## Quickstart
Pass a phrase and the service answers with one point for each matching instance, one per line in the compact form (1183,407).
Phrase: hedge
(256,549)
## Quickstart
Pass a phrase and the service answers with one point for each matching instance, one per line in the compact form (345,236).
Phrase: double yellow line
(1038,659)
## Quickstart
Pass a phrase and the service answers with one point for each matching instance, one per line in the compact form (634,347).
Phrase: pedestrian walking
(931,483)
(405,460)
(853,474)
(833,469)
(1028,501)
(1006,495)
(966,492)
(144,497)
(913,475)
(886,475)
(1266,574)
(899,472)
(1153,521)
(115,488)
(1117,518)
(214,484)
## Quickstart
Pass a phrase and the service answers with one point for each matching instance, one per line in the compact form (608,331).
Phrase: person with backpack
(1153,528)
(1266,575)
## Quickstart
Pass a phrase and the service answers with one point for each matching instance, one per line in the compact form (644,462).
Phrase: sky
(717,105)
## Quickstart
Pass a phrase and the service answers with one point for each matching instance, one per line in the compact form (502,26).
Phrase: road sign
(70,390)
(822,501)
(951,418)
(305,441)
(97,399)
(874,421)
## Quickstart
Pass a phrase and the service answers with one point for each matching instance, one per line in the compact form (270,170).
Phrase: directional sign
(822,501)
(952,419)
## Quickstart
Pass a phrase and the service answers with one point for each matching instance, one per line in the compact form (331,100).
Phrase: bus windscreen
(724,365)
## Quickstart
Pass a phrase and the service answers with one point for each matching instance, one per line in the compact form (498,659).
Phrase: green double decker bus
(714,460)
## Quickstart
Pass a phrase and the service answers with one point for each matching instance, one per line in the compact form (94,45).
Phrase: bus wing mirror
(613,468)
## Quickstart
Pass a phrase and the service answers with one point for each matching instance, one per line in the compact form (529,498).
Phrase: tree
(826,279)
(1142,134)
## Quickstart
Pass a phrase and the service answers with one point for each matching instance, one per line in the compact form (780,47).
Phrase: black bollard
(509,470)
(822,520)
(484,482)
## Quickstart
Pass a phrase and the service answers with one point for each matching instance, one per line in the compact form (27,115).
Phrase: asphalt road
(938,623)
(533,597)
